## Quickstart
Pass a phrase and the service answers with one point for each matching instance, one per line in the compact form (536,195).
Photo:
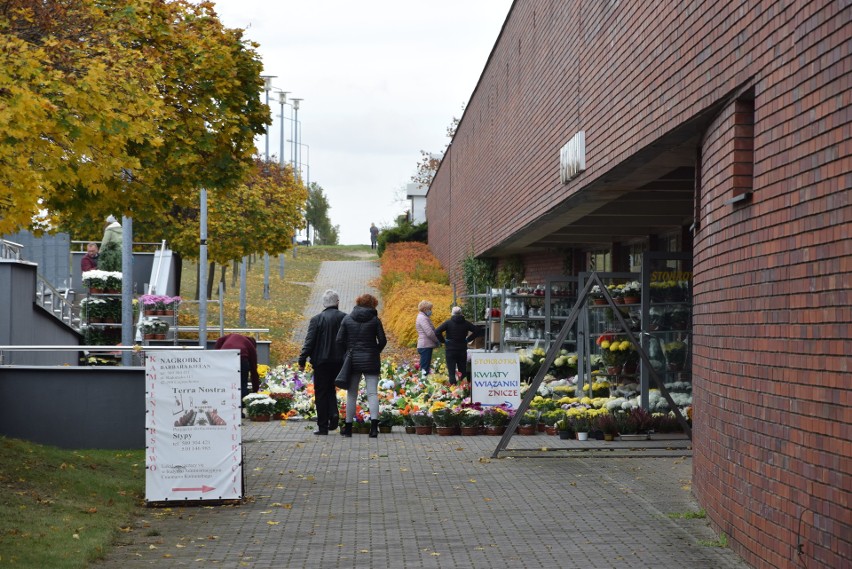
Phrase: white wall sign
(193,426)
(495,379)
(572,157)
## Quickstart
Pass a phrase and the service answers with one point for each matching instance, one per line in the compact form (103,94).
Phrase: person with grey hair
(459,332)
(326,357)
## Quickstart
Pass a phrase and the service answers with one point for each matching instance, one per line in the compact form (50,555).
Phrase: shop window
(600,261)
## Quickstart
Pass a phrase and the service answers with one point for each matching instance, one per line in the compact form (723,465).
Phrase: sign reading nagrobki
(193,438)
(495,379)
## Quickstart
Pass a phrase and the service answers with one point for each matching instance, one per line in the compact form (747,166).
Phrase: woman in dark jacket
(362,335)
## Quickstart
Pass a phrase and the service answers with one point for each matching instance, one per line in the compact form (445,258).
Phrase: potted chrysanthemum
(259,407)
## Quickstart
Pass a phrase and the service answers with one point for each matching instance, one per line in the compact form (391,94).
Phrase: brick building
(719,129)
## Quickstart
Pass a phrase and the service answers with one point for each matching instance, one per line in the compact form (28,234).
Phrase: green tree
(316,216)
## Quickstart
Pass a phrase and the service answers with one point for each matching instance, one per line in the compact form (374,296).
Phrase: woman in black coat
(362,335)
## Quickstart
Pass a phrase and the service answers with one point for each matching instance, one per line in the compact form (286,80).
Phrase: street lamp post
(308,163)
(294,161)
(267,86)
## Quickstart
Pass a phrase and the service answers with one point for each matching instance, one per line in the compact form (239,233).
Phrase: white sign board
(495,379)
(193,426)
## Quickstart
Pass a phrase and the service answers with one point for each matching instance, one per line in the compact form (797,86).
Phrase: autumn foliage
(410,273)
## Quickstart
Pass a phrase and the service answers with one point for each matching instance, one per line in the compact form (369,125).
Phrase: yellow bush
(400,307)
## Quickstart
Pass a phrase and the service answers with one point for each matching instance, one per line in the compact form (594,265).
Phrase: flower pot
(469,431)
(363,428)
(150,312)
(96,290)
(582,436)
(445,431)
(168,312)
(410,429)
(608,437)
(550,430)
(423,429)
(599,301)
(631,300)
(148,337)
(541,427)
(495,431)
(260,418)
(159,336)
(527,430)
(613,370)
(385,428)
(566,435)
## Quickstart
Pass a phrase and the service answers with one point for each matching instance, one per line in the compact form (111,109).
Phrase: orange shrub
(410,273)
(402,261)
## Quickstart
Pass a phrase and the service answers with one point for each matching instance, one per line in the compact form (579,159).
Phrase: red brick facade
(761,92)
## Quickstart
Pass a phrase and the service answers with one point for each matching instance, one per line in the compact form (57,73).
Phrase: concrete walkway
(424,501)
(349,278)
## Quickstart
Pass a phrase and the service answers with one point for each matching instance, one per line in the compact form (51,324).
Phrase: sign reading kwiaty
(495,379)
(192,422)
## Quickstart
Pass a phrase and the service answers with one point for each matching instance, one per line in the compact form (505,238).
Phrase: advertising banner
(495,379)
(193,421)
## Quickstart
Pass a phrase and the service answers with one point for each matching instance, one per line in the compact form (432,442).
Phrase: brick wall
(772,311)
(772,308)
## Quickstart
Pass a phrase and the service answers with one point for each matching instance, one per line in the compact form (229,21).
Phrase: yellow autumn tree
(125,107)
(263,214)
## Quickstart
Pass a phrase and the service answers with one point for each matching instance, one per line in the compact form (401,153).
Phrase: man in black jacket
(326,358)
(458,333)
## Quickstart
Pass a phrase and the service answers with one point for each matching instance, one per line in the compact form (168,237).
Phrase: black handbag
(343,377)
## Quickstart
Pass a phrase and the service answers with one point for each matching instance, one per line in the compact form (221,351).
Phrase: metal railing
(134,349)
(10,250)
(60,304)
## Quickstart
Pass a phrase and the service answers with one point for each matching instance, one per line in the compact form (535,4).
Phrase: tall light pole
(267,86)
(295,133)
(294,161)
(282,99)
(308,163)
(308,179)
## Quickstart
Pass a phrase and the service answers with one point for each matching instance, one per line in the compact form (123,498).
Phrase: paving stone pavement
(424,501)
(349,278)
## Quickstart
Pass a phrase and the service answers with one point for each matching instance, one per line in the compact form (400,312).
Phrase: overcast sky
(380,79)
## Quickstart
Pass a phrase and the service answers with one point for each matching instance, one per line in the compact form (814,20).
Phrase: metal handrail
(133,348)
(55,302)
(10,250)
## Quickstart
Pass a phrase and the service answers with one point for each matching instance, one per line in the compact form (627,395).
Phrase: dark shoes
(333,423)
(321,432)
(374,428)
(347,430)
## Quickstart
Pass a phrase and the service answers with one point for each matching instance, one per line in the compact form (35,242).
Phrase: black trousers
(456,360)
(325,394)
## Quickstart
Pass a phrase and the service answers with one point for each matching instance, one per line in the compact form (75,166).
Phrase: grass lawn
(63,508)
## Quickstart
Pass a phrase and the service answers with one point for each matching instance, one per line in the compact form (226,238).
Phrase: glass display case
(605,353)
(531,315)
(667,327)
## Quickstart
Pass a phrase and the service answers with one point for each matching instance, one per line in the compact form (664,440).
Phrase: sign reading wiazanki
(495,379)
(192,422)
